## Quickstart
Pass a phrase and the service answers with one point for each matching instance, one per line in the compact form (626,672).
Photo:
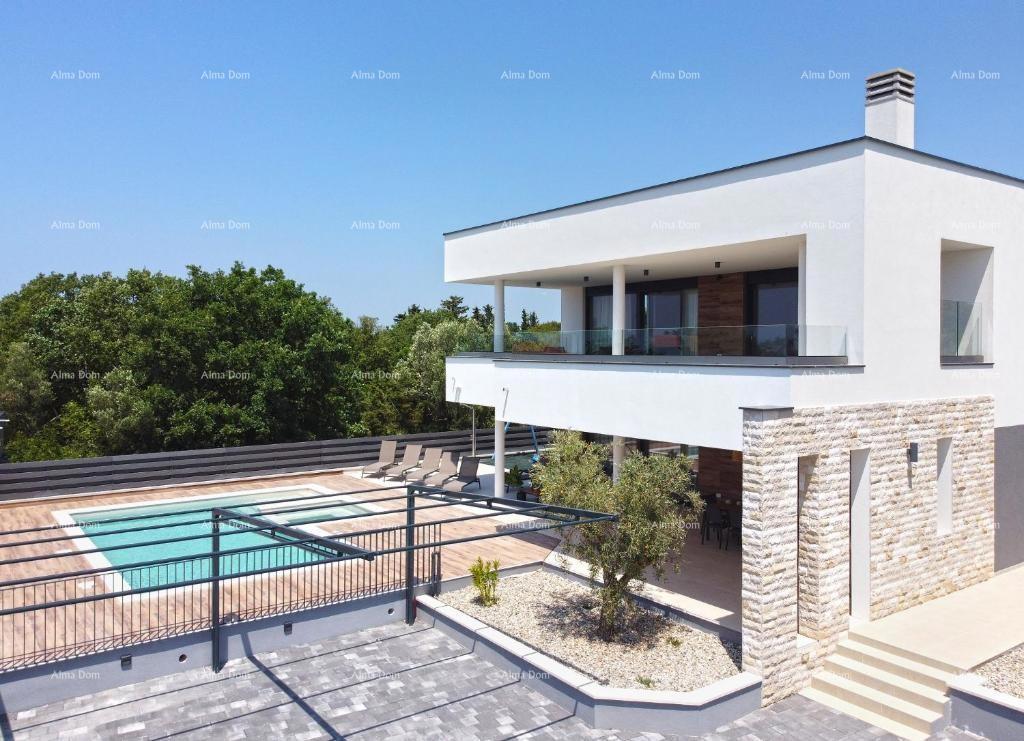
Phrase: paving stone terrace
(392,682)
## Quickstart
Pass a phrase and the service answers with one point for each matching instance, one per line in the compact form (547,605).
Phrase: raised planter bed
(990,700)
(725,696)
(980,709)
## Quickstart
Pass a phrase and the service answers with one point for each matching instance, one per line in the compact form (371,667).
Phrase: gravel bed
(559,617)
(1006,673)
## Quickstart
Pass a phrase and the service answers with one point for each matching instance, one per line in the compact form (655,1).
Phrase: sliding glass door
(661,317)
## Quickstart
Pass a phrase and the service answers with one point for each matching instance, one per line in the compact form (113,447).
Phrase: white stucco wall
(913,203)
(573,309)
(872,219)
(683,404)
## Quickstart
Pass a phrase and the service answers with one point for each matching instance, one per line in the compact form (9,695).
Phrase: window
(772,312)
(658,314)
(944,485)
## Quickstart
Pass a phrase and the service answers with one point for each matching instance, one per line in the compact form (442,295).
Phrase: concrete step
(897,685)
(902,713)
(855,711)
(942,666)
(902,666)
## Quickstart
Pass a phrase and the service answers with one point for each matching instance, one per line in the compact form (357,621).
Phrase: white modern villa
(832,334)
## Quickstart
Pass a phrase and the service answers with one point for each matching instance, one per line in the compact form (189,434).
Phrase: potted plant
(514,480)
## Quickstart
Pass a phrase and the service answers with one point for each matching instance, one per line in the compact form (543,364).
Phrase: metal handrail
(517,509)
(598,517)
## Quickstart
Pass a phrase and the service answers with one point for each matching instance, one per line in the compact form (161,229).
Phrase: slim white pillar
(499,457)
(618,309)
(499,316)
(618,451)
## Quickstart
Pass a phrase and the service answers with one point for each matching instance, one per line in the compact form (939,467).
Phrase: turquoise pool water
(524,461)
(177,515)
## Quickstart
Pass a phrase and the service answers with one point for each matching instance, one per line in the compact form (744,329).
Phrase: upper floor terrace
(860,271)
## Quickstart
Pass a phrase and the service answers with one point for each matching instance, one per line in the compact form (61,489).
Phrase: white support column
(618,309)
(499,316)
(499,457)
(618,451)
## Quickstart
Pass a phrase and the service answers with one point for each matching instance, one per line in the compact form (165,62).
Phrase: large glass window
(658,314)
(772,313)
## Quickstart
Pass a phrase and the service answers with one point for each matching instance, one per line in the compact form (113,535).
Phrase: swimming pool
(523,461)
(179,518)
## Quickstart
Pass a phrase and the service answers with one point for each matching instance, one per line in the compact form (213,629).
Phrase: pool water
(96,524)
(523,461)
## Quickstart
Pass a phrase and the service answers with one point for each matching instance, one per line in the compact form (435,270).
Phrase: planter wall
(681,713)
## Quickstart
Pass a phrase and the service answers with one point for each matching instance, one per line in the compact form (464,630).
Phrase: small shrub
(646,682)
(673,642)
(485,579)
(514,477)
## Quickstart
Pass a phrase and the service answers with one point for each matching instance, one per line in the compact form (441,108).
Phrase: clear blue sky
(300,150)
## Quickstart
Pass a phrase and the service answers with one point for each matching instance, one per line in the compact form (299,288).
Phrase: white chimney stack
(889,107)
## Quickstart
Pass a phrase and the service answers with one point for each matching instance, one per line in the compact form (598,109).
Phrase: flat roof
(822,148)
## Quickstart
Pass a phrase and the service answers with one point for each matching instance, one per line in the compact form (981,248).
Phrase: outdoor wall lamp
(538,284)
(646,271)
(718,264)
(912,453)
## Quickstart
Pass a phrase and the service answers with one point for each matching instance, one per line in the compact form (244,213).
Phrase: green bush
(485,579)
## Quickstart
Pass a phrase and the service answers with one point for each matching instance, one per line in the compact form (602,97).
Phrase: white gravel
(1006,673)
(559,617)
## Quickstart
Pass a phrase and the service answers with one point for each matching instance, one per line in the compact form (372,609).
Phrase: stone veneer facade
(796,594)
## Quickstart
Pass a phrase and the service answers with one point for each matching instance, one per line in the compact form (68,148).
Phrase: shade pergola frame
(556,517)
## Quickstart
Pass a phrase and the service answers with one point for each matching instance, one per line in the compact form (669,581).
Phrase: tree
(25,390)
(123,417)
(422,372)
(411,311)
(454,305)
(650,524)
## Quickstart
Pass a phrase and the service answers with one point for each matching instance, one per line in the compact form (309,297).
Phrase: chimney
(889,107)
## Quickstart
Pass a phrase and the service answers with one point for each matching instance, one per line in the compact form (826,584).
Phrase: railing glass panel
(961,329)
(765,340)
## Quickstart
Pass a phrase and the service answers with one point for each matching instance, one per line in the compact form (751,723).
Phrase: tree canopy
(106,365)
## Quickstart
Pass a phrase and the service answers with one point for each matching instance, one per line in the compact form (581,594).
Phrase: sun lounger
(448,468)
(431,462)
(410,460)
(385,458)
(466,476)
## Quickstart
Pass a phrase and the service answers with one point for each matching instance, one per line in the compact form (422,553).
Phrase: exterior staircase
(887,686)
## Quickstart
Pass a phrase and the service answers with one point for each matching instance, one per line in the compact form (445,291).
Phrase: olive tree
(651,524)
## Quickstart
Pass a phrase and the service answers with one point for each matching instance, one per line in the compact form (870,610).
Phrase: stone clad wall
(910,562)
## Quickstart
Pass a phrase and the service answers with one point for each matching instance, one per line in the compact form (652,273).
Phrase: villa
(832,334)
(829,337)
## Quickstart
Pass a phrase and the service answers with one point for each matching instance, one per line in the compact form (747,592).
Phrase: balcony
(962,332)
(698,344)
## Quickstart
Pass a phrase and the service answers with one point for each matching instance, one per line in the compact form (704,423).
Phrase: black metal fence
(47,617)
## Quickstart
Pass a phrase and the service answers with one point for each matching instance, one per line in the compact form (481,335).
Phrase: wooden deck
(59,632)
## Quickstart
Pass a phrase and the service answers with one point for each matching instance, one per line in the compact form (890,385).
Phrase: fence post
(215,594)
(410,555)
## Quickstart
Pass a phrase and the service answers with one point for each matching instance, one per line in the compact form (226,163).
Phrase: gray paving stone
(393,682)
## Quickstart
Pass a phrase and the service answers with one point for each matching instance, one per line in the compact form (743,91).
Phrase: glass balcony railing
(766,340)
(961,330)
(757,340)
